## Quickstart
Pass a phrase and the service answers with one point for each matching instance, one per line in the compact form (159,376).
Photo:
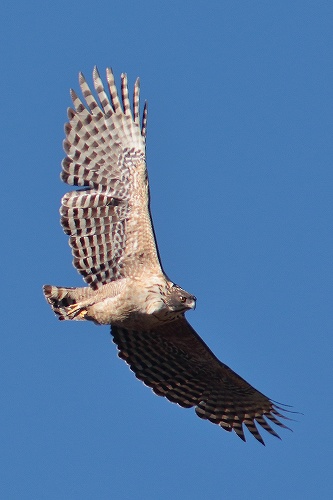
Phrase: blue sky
(240,166)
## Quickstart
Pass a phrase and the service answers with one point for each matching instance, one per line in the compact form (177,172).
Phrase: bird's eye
(182,299)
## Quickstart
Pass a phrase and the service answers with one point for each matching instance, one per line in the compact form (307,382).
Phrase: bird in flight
(110,231)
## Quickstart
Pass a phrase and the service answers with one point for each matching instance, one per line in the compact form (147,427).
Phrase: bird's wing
(175,362)
(108,221)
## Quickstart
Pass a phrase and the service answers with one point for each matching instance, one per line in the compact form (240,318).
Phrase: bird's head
(178,300)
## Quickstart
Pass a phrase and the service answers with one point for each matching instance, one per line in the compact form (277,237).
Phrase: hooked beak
(193,302)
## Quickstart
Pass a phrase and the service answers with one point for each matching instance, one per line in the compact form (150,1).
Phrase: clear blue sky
(240,164)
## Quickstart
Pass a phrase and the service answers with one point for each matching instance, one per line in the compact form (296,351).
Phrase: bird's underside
(113,243)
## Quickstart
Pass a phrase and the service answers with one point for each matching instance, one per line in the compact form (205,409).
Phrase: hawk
(110,231)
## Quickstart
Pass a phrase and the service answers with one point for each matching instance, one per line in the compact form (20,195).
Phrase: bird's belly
(137,306)
(109,310)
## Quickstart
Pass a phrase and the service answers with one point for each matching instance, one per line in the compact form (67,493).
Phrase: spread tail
(67,303)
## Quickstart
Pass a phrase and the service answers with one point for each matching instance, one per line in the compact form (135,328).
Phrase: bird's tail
(67,303)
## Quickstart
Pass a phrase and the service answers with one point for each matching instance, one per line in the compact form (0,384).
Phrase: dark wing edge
(175,362)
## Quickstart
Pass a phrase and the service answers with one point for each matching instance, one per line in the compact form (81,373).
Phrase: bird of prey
(110,231)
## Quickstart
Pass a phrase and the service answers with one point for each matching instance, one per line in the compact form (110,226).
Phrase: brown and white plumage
(105,148)
(110,231)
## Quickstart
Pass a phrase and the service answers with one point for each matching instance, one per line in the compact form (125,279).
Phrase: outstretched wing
(175,362)
(108,221)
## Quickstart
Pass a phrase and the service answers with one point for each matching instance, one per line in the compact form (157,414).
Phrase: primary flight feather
(113,243)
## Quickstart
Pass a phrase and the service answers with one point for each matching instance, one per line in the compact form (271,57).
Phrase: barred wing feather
(175,362)
(105,146)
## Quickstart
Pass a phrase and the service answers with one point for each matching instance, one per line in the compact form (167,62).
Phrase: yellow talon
(83,313)
(74,310)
